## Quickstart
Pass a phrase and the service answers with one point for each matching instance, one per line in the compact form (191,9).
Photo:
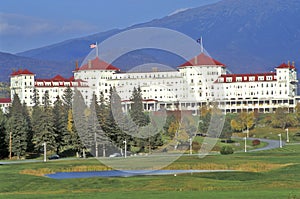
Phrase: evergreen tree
(68,98)
(95,133)
(3,141)
(74,141)
(111,127)
(60,125)
(103,110)
(25,113)
(137,111)
(36,121)
(18,128)
(125,128)
(80,119)
(43,128)
(36,97)
(46,100)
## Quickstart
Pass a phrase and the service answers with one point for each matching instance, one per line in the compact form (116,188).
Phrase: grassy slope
(280,182)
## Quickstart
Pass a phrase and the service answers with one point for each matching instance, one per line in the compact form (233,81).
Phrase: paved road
(272,144)
(31,161)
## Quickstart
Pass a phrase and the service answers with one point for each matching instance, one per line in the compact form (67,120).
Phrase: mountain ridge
(247,36)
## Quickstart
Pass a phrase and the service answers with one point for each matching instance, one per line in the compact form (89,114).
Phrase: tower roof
(285,65)
(5,100)
(202,60)
(97,64)
(21,72)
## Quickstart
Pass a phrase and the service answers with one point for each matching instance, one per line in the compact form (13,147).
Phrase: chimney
(293,63)
(289,63)
(76,65)
(196,61)
(154,69)
(89,64)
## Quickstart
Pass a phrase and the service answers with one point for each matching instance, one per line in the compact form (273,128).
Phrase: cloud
(178,11)
(20,24)
(16,24)
(77,26)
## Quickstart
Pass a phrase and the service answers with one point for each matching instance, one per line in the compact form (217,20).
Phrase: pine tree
(36,97)
(74,141)
(80,119)
(124,127)
(95,133)
(68,98)
(110,127)
(46,100)
(43,128)
(25,113)
(103,112)
(137,111)
(3,141)
(60,125)
(17,127)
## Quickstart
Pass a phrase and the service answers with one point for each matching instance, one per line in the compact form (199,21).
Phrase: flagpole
(201,44)
(97,50)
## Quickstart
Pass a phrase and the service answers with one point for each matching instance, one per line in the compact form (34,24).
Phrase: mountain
(248,36)
(43,68)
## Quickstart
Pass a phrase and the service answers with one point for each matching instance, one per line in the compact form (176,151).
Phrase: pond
(124,173)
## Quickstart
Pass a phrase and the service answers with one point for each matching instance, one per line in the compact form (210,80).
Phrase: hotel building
(200,81)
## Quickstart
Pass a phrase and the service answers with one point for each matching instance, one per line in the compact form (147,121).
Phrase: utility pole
(245,144)
(96,145)
(287,135)
(280,141)
(45,151)
(125,143)
(191,146)
(10,145)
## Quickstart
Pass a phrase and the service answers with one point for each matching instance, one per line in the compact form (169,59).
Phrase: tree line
(237,122)
(72,127)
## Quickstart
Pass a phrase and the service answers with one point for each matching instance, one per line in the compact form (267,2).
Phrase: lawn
(267,174)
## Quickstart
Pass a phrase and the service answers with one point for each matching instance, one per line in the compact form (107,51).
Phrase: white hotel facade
(200,81)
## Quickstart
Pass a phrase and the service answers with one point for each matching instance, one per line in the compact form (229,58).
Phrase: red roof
(98,64)
(21,72)
(57,78)
(284,65)
(202,59)
(144,100)
(246,77)
(5,100)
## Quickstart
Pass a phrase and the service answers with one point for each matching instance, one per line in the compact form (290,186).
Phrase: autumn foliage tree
(243,121)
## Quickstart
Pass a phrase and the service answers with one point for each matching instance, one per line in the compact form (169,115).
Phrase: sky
(29,24)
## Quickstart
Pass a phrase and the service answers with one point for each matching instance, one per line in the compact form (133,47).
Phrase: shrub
(255,142)
(227,141)
(196,146)
(225,150)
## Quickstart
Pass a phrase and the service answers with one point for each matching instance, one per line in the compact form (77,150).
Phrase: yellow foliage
(70,121)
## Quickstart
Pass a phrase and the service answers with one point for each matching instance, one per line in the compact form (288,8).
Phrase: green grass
(266,174)
(272,133)
(238,144)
